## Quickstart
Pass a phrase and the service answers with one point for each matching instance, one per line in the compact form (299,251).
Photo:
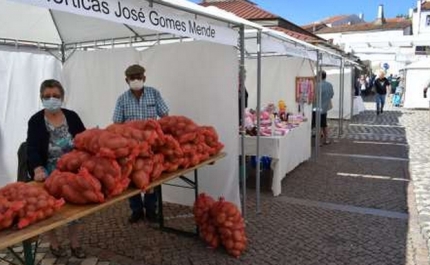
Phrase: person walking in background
(426,88)
(370,80)
(382,86)
(398,93)
(357,87)
(363,85)
(140,102)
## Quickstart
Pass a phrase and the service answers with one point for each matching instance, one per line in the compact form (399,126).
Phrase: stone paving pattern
(288,233)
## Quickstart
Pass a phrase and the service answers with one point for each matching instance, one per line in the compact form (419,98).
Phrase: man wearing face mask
(140,102)
(50,135)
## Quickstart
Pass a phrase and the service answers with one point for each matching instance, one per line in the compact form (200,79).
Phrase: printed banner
(140,14)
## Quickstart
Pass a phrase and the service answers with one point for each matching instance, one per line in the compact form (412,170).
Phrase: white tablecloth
(358,105)
(287,152)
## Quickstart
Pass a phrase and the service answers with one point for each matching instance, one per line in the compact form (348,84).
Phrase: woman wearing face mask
(50,135)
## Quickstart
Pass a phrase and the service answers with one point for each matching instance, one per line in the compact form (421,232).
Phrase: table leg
(192,184)
(28,252)
(159,192)
(196,193)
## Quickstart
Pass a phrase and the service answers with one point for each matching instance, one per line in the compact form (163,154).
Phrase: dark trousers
(149,203)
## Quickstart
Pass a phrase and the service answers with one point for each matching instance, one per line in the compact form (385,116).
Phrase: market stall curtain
(21,74)
(95,79)
(277,81)
(200,80)
(333,78)
(416,81)
(197,79)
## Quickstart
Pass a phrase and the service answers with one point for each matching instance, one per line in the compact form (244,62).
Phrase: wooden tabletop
(70,212)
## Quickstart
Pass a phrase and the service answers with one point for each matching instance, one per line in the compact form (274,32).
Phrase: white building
(394,42)
(421,26)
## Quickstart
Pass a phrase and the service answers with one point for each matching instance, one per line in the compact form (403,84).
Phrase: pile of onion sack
(24,204)
(220,222)
(106,161)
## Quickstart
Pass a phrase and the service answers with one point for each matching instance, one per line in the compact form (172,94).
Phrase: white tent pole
(242,110)
(340,100)
(136,35)
(63,53)
(258,118)
(342,63)
(63,45)
(353,77)
(318,105)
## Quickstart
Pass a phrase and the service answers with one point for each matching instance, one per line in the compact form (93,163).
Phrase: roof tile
(295,34)
(391,24)
(333,19)
(243,9)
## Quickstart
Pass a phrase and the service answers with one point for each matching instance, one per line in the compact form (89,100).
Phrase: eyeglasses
(46,97)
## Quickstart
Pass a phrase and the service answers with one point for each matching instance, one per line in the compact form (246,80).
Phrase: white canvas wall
(333,78)
(199,80)
(278,80)
(416,80)
(196,79)
(21,74)
(94,80)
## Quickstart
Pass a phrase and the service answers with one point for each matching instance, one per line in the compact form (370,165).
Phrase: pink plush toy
(265,115)
(249,119)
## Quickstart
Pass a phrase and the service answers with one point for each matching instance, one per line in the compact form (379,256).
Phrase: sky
(303,12)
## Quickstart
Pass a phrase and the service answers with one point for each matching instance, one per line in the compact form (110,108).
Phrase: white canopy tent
(273,61)
(179,70)
(62,27)
(417,76)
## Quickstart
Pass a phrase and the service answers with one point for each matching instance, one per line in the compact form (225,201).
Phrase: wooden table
(71,212)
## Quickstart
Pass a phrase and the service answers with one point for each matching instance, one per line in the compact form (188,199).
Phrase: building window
(422,50)
(428,21)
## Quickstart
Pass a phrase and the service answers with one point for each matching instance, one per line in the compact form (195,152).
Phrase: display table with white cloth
(358,105)
(287,152)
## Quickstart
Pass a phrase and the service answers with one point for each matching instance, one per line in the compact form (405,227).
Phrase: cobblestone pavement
(355,206)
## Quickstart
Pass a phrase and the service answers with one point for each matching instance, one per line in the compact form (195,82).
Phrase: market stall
(277,86)
(417,76)
(271,54)
(69,30)
(205,106)
(93,78)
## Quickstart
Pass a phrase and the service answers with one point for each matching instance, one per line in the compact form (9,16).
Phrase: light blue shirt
(150,105)
(327,94)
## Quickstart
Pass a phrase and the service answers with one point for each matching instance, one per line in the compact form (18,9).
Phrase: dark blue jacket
(38,137)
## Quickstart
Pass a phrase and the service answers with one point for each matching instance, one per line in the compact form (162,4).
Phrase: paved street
(365,201)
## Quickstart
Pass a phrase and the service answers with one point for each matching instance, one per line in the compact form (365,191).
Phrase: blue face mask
(52,104)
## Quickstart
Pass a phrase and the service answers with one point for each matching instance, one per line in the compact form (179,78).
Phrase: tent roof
(53,26)
(43,25)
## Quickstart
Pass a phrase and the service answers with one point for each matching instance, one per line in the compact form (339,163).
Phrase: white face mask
(52,104)
(136,84)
